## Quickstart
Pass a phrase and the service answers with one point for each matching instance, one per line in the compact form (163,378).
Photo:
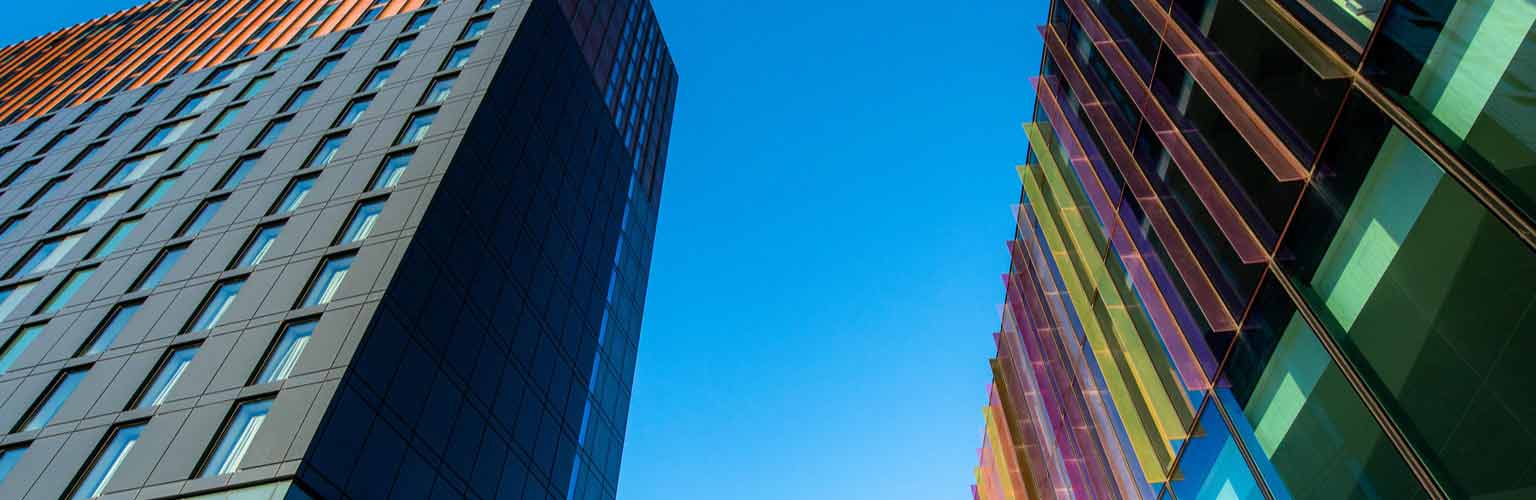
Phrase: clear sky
(827,266)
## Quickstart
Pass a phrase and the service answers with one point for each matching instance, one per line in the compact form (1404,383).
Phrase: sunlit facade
(1272,249)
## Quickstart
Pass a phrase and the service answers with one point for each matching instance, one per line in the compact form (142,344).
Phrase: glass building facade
(1272,249)
(273,249)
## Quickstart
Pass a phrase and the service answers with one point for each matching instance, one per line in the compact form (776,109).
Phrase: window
(45,408)
(225,117)
(363,220)
(255,87)
(217,304)
(9,456)
(43,192)
(90,210)
(458,56)
(416,129)
(17,344)
(45,255)
(354,111)
(237,172)
(347,39)
(475,28)
(294,195)
(195,103)
(260,243)
(326,151)
(371,14)
(237,438)
(66,290)
(166,375)
(32,128)
(17,172)
(129,170)
(394,167)
(284,355)
(268,135)
(199,219)
(418,21)
(155,193)
(113,453)
(192,154)
(328,282)
(10,223)
(281,58)
(114,238)
(164,134)
(298,98)
(151,94)
(323,69)
(118,124)
(439,90)
(55,141)
(399,48)
(86,115)
(377,78)
(84,155)
(226,74)
(158,268)
(488,5)
(107,331)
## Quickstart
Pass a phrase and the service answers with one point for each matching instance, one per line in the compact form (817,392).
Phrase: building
(327,248)
(1272,249)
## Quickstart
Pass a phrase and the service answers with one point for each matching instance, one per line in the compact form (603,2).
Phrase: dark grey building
(381,249)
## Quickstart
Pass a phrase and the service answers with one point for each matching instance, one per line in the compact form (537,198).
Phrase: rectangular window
(217,304)
(475,28)
(32,128)
(118,124)
(347,39)
(46,407)
(333,272)
(225,117)
(91,111)
(129,170)
(362,222)
(199,219)
(298,98)
(325,151)
(43,192)
(17,344)
(84,155)
(294,195)
(12,296)
(419,20)
(324,68)
(90,210)
(439,90)
(284,355)
(260,243)
(237,172)
(416,129)
(158,268)
(377,78)
(195,103)
(354,112)
(226,74)
(151,94)
(107,331)
(111,456)
(270,133)
(192,154)
(394,168)
(458,57)
(281,58)
(155,193)
(237,438)
(164,134)
(399,48)
(488,5)
(10,224)
(17,172)
(166,375)
(55,141)
(72,284)
(45,255)
(9,457)
(113,238)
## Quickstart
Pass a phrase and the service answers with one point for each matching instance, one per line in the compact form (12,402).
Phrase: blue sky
(831,239)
